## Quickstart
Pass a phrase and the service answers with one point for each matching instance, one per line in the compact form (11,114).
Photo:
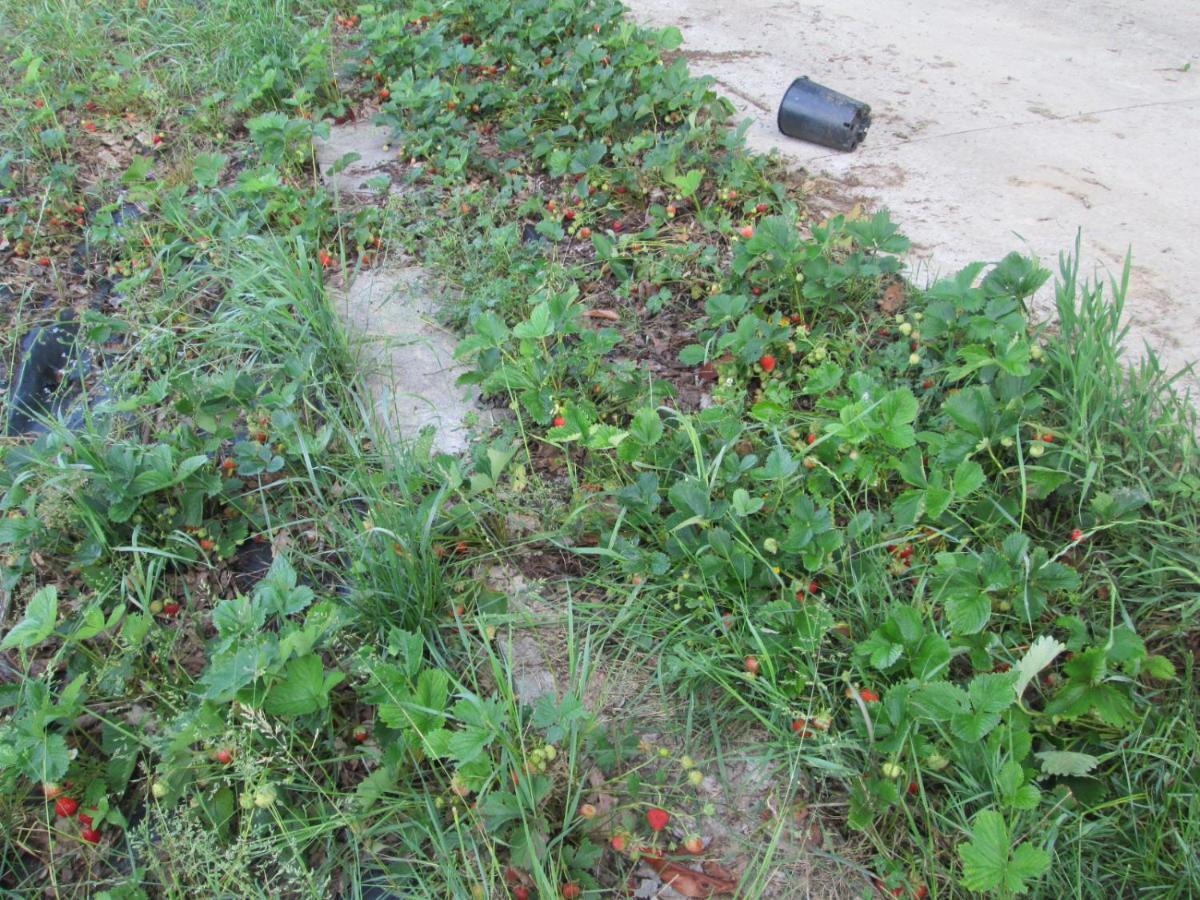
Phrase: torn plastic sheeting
(46,366)
(820,115)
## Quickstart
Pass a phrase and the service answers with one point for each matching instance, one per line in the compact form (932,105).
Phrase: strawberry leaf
(40,615)
(304,688)
(990,863)
(1040,654)
(1062,762)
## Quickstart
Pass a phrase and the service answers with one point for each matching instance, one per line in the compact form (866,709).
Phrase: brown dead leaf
(716,870)
(689,882)
(809,825)
(602,314)
(604,802)
(893,298)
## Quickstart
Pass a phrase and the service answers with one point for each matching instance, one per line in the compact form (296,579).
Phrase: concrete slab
(407,358)
(372,143)
(997,126)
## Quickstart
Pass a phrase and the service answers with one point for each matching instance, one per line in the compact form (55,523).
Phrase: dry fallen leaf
(893,298)
(716,870)
(688,882)
(604,802)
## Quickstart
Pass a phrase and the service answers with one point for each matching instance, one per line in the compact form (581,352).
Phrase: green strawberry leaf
(968,613)
(1062,762)
(304,688)
(40,615)
(990,863)
(939,701)
(468,743)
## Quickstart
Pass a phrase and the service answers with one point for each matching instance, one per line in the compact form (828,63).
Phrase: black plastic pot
(821,115)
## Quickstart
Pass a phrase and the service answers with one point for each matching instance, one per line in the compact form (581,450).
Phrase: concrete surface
(371,143)
(997,126)
(407,358)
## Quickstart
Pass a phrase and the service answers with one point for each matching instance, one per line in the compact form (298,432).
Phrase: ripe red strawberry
(571,890)
(520,892)
(43,261)
(767,361)
(814,587)
(750,664)
(224,756)
(746,231)
(157,139)
(1048,438)
(868,695)
(85,819)
(1077,535)
(360,735)
(326,259)
(207,544)
(618,842)
(65,806)
(927,383)
(913,788)
(171,608)
(91,835)
(384,94)
(559,421)
(618,225)
(89,125)
(761,208)
(800,726)
(569,215)
(39,103)
(585,232)
(657,818)
(694,845)
(811,438)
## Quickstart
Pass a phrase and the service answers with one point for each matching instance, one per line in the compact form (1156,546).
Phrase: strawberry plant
(934,559)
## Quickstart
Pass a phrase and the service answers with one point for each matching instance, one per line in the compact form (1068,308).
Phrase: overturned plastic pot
(821,115)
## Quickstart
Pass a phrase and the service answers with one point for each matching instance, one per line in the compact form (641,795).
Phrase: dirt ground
(997,126)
